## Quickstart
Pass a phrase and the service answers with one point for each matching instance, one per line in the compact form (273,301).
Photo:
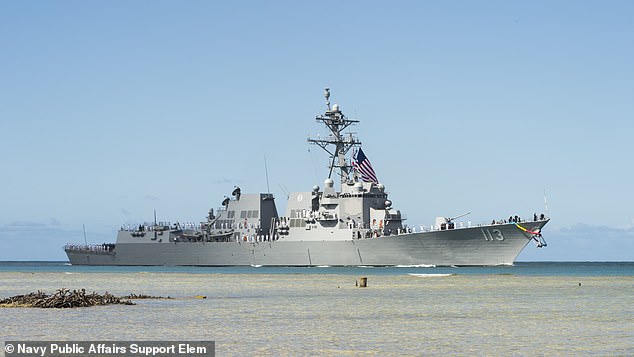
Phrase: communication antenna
(315,163)
(327,95)
(288,194)
(266,170)
(85,240)
(546,204)
(155,225)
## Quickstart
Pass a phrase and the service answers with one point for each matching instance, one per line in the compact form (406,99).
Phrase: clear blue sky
(111,109)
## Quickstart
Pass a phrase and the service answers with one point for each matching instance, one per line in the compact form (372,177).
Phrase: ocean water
(525,310)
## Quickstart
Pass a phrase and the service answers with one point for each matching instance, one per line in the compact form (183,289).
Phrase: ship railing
(106,248)
(455,225)
(515,219)
(469,224)
(160,226)
(146,227)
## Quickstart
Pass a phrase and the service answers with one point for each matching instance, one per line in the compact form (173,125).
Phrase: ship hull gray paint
(485,245)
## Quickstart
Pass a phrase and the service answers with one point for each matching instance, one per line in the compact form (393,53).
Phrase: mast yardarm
(337,122)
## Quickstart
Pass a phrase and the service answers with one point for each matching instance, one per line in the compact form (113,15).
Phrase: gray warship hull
(475,246)
(349,225)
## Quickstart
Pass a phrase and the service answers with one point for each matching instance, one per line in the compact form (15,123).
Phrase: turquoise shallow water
(528,309)
(520,268)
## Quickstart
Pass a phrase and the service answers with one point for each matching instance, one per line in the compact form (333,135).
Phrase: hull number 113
(492,234)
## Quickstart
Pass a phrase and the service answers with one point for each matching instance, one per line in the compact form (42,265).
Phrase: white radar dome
(329,183)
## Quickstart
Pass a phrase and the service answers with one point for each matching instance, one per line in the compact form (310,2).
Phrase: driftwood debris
(63,298)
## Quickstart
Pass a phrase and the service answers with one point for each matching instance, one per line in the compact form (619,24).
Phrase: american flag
(362,165)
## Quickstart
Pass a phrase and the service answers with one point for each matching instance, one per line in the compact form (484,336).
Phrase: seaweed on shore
(64,298)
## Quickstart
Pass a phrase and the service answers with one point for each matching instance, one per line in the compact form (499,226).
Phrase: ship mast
(337,122)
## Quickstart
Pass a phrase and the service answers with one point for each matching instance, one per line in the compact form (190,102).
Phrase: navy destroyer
(349,224)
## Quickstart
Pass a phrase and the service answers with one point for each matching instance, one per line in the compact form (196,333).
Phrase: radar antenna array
(337,144)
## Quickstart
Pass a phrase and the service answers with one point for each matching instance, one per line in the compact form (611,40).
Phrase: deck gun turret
(443,223)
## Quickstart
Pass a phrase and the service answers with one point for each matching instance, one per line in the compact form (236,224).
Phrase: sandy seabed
(313,314)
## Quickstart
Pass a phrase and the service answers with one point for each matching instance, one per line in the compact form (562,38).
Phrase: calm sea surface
(527,309)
